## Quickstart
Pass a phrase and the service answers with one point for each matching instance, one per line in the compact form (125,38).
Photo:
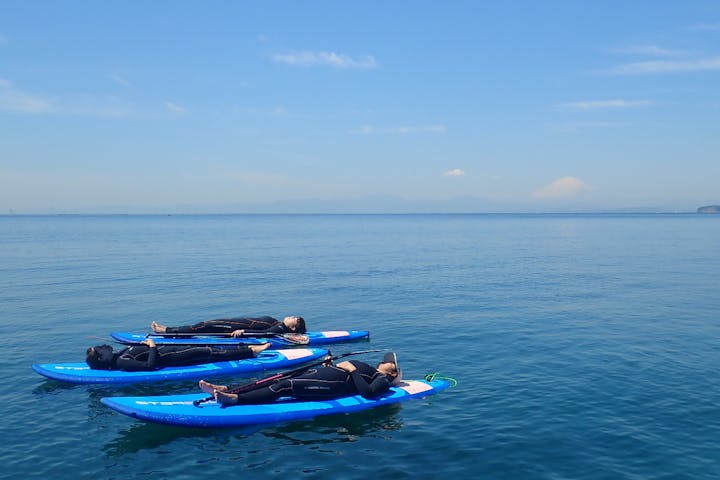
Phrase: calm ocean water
(585,346)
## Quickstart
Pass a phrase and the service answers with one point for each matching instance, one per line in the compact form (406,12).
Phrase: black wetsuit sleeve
(130,363)
(379,385)
(278,328)
(152,359)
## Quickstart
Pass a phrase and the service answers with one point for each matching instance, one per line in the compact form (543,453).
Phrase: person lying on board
(319,383)
(236,327)
(148,356)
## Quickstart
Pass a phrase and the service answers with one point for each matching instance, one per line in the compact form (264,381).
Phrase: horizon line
(628,211)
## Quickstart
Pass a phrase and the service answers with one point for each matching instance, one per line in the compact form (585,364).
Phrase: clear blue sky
(285,105)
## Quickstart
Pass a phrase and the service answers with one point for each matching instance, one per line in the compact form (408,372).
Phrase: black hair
(99,357)
(300,325)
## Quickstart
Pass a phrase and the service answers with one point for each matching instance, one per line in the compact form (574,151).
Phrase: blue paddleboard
(179,409)
(313,338)
(266,360)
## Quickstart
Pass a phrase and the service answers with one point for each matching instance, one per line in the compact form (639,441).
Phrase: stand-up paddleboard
(266,360)
(277,341)
(179,410)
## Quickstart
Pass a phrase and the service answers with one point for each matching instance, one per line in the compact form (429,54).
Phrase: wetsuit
(263,324)
(143,358)
(323,383)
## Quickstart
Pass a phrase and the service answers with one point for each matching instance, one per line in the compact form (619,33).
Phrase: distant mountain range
(709,209)
(370,205)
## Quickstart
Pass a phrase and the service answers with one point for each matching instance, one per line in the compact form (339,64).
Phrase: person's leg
(209,388)
(182,355)
(208,326)
(225,353)
(158,328)
(319,389)
(283,388)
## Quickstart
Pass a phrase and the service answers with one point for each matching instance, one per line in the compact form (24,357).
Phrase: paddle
(292,338)
(280,376)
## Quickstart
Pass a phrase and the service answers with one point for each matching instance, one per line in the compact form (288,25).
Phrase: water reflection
(148,436)
(322,430)
(340,427)
(52,386)
(48,385)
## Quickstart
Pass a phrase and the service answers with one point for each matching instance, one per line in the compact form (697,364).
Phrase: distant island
(709,209)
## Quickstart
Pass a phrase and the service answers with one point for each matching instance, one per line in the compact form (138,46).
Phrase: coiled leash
(437,376)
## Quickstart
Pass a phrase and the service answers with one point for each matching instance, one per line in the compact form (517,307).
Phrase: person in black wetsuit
(148,356)
(320,383)
(237,326)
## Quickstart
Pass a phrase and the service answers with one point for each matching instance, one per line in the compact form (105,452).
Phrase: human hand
(149,342)
(347,366)
(237,333)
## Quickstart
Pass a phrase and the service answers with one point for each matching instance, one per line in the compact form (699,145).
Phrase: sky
(373,106)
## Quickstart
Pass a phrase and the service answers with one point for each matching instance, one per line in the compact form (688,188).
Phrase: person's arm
(368,390)
(380,385)
(130,363)
(278,328)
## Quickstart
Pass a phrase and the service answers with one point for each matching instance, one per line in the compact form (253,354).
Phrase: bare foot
(259,348)
(209,388)
(157,328)
(225,398)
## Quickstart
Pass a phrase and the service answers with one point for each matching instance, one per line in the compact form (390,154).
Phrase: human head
(99,357)
(295,324)
(390,367)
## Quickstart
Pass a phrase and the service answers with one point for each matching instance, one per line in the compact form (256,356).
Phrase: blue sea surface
(585,346)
